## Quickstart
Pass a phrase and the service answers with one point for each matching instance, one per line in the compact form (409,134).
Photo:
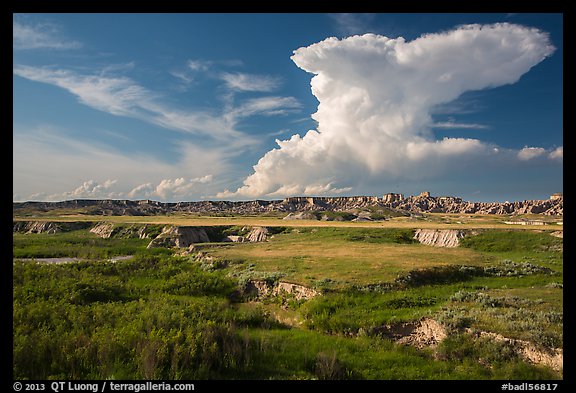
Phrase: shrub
(388,235)
(462,346)
(195,282)
(455,320)
(328,367)
(86,293)
(438,275)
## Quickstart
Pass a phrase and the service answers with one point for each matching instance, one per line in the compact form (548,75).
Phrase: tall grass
(79,244)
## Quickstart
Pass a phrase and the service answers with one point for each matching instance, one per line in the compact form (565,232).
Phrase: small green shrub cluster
(447,274)
(514,316)
(510,268)
(438,275)
(328,367)
(555,285)
(511,241)
(386,235)
(246,276)
(486,300)
(455,319)
(211,264)
(325,284)
(465,346)
(379,287)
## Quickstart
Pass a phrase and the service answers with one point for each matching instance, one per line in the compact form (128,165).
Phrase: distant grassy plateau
(431,220)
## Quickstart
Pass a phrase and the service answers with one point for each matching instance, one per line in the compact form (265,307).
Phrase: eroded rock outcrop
(426,203)
(263,289)
(104,230)
(234,239)
(439,237)
(258,234)
(37,227)
(559,234)
(551,357)
(107,230)
(49,227)
(255,234)
(298,291)
(300,216)
(179,236)
(425,332)
(422,203)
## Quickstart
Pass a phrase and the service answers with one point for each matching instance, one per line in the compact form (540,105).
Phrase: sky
(199,106)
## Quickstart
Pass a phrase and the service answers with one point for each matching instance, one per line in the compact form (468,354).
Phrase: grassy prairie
(308,255)
(160,316)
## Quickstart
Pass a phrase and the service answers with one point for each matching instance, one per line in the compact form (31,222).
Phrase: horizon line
(285,198)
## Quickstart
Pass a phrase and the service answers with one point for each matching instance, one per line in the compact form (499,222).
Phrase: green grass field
(159,316)
(345,256)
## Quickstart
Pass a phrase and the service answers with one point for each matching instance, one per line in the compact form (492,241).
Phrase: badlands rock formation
(258,234)
(425,332)
(107,230)
(104,230)
(264,289)
(162,236)
(439,237)
(422,203)
(181,237)
(37,227)
(300,216)
(47,226)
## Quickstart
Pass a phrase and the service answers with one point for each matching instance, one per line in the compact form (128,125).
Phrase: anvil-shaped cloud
(376,96)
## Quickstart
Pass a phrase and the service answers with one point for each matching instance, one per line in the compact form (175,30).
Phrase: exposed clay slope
(439,237)
(48,226)
(553,358)
(427,332)
(263,289)
(258,234)
(181,237)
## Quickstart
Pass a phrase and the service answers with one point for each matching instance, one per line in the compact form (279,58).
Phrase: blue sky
(180,107)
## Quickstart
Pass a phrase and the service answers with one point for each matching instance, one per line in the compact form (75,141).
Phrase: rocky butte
(422,203)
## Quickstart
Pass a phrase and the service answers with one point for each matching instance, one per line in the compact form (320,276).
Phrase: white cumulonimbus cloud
(376,96)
